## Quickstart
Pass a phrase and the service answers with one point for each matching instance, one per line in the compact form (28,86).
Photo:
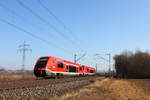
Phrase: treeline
(4,71)
(133,65)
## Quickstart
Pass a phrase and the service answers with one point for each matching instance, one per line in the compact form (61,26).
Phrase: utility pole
(77,59)
(24,48)
(109,69)
(96,68)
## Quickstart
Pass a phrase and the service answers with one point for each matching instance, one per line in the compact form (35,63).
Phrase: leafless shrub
(133,65)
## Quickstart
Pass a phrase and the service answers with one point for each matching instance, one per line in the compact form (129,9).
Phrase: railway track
(29,83)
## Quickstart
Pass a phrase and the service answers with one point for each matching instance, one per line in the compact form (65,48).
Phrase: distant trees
(2,71)
(133,65)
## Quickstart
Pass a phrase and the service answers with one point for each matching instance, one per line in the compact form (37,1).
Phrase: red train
(49,66)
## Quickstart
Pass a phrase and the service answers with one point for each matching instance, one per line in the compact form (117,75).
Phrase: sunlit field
(112,89)
(16,76)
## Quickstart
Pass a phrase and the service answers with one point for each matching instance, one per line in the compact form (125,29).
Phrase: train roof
(66,61)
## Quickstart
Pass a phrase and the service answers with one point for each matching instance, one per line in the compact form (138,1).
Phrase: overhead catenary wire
(9,10)
(60,21)
(52,14)
(34,36)
(45,21)
(16,14)
(57,18)
(25,20)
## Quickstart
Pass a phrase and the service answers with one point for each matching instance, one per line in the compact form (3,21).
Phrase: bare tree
(133,65)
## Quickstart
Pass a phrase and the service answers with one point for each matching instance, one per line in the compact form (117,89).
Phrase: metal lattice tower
(24,48)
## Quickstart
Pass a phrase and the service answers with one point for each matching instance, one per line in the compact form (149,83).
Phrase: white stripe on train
(54,73)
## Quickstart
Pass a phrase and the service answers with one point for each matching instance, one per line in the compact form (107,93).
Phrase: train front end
(40,67)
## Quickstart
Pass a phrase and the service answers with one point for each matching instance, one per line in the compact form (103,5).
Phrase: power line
(58,20)
(45,21)
(79,58)
(34,36)
(15,14)
(52,14)
(23,19)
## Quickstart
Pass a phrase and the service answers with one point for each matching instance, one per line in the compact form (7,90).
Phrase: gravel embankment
(43,92)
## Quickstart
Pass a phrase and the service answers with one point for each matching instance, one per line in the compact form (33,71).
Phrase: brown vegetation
(111,89)
(133,65)
(101,74)
(16,76)
(72,89)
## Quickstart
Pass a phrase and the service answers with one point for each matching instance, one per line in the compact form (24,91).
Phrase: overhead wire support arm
(77,59)
(81,57)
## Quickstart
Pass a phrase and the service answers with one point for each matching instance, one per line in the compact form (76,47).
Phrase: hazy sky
(98,26)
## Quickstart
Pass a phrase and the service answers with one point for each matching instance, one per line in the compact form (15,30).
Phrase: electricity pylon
(24,48)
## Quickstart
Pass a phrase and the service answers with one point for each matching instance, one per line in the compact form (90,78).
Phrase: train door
(67,68)
(77,69)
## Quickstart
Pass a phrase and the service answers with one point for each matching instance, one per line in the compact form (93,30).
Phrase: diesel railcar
(49,66)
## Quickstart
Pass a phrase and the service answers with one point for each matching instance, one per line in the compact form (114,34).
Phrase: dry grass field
(103,89)
(112,89)
(16,76)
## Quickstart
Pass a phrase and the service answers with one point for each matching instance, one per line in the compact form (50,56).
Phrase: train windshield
(42,62)
(92,71)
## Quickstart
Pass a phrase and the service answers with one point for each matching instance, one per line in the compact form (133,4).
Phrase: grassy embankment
(112,89)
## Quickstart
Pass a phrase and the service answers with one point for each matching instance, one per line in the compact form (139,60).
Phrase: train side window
(72,69)
(60,65)
(80,68)
(88,70)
